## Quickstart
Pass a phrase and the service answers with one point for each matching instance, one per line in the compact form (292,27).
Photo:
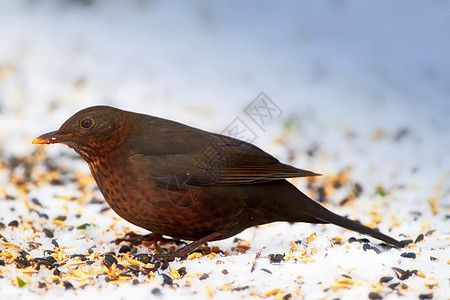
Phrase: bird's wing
(225,162)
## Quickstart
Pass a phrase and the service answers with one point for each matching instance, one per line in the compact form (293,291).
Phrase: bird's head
(91,130)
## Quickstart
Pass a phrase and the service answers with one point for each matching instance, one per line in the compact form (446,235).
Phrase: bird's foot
(186,250)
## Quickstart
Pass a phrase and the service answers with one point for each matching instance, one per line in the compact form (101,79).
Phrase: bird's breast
(189,213)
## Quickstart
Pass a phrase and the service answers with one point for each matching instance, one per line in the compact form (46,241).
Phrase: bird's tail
(327,216)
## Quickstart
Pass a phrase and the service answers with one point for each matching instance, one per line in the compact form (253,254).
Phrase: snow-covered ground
(363,87)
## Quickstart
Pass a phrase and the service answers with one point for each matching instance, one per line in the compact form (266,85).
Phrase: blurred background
(364,84)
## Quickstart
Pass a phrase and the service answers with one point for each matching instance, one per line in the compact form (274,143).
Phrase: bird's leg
(186,249)
(137,239)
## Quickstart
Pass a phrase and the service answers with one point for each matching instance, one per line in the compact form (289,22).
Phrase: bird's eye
(86,123)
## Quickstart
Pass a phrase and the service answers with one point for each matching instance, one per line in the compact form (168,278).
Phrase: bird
(187,183)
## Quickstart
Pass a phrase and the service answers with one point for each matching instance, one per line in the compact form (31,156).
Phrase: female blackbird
(187,183)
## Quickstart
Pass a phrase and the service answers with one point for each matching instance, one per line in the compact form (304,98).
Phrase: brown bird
(187,183)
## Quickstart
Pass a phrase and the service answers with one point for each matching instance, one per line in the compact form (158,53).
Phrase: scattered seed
(167,280)
(164,265)
(401,133)
(377,251)
(287,296)
(48,233)
(20,282)
(83,226)
(352,240)
(430,232)
(182,271)
(312,150)
(56,182)
(393,285)
(157,265)
(34,245)
(55,243)
(426,296)
(42,215)
(110,260)
(96,201)
(124,249)
(253,267)
(240,288)
(50,259)
(60,218)
(406,242)
(373,295)
(408,255)
(24,254)
(276,258)
(133,268)
(82,257)
(402,274)
(144,258)
(13,223)
(156,292)
(357,189)
(42,261)
(344,201)
(36,202)
(68,285)
(22,262)
(419,238)
(385,279)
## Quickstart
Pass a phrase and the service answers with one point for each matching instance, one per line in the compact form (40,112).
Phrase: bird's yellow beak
(52,138)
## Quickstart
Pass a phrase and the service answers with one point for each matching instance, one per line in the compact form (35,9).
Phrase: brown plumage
(187,183)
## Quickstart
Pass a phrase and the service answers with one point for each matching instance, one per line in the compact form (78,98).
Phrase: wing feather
(186,156)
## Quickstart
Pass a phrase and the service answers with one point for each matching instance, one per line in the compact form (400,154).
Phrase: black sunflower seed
(110,260)
(385,279)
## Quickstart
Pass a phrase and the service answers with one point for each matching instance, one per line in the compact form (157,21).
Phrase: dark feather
(211,159)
